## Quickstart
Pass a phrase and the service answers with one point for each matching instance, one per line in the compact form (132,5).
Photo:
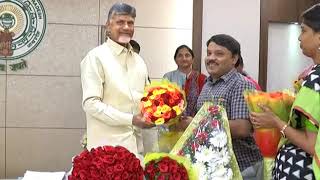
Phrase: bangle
(283,129)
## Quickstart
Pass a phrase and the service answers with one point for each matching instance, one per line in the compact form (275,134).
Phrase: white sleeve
(92,79)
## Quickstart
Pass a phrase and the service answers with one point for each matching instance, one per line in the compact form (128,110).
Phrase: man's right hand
(139,121)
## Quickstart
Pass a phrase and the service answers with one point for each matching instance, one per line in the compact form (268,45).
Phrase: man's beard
(124,39)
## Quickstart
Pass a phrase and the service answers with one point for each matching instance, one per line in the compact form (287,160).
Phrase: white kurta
(113,80)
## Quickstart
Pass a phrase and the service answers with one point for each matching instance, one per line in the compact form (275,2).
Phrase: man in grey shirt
(225,86)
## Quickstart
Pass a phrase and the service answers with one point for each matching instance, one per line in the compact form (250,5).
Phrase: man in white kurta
(113,79)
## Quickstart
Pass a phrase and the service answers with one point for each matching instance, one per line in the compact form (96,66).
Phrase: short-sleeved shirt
(228,92)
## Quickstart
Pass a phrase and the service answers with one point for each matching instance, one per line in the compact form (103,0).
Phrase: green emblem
(22,27)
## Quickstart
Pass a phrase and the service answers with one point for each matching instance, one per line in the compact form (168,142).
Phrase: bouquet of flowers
(207,143)
(106,163)
(162,102)
(268,139)
(280,103)
(163,166)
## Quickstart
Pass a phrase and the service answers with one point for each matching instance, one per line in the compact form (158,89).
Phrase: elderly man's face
(121,28)
(219,60)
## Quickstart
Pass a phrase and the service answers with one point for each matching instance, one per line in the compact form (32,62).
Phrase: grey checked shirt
(228,92)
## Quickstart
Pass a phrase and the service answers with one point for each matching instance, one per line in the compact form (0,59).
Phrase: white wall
(285,58)
(240,19)
(162,26)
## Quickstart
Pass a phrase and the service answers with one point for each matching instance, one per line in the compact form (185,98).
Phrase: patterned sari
(193,87)
(292,162)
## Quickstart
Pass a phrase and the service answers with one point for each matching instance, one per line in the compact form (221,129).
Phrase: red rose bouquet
(162,166)
(106,163)
(162,102)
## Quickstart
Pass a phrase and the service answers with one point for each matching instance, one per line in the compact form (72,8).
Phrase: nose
(126,26)
(210,57)
(299,38)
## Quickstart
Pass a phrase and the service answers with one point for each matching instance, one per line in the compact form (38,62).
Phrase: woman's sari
(292,162)
(193,87)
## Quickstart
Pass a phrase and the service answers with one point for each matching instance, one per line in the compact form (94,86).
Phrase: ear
(318,39)
(235,59)
(107,25)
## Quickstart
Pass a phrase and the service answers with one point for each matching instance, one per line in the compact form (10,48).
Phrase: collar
(117,48)
(224,77)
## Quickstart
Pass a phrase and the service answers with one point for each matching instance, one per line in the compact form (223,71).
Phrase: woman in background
(190,80)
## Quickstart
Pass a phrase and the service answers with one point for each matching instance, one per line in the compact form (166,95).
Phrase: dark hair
(122,9)
(135,45)
(226,41)
(239,62)
(181,47)
(311,17)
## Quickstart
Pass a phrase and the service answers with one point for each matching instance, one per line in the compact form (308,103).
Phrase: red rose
(161,177)
(173,167)
(202,136)
(119,156)
(183,172)
(118,168)
(167,115)
(133,165)
(150,168)
(214,123)
(194,146)
(176,176)
(94,174)
(117,177)
(214,110)
(136,164)
(163,167)
(125,175)
(108,159)
(109,170)
(109,149)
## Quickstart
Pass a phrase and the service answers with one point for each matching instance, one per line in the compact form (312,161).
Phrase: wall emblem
(22,27)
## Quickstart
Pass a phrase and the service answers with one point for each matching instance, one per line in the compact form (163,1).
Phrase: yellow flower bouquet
(163,102)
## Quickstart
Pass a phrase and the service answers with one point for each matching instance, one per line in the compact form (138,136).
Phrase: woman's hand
(266,119)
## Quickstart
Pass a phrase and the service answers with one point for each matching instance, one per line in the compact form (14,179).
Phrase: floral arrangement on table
(163,166)
(162,102)
(207,143)
(267,139)
(106,163)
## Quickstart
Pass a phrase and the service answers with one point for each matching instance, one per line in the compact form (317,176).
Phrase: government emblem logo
(22,27)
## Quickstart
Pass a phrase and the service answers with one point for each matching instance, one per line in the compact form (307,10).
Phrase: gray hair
(122,9)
